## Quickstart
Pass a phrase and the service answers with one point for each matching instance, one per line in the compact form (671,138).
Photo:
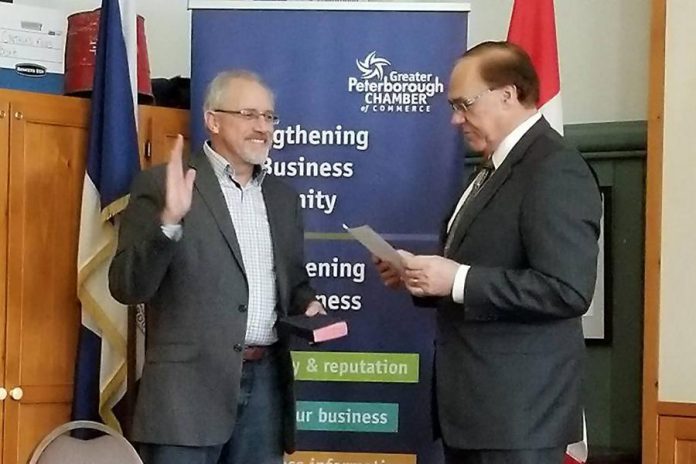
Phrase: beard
(256,157)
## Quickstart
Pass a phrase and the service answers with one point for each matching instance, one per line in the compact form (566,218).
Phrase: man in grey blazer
(517,273)
(214,247)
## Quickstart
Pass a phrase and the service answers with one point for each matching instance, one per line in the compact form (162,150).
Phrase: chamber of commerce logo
(387,89)
(372,66)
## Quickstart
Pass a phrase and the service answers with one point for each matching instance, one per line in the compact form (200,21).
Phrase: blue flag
(112,162)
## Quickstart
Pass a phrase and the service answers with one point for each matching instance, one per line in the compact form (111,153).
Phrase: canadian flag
(533,27)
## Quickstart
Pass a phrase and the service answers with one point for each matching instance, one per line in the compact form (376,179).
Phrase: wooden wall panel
(653,224)
(677,442)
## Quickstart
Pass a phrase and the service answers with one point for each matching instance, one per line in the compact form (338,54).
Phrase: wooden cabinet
(4,165)
(677,440)
(158,128)
(42,157)
(43,144)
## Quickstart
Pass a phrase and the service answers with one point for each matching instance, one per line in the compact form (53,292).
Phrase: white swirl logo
(372,66)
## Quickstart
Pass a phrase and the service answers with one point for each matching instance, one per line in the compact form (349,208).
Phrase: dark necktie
(484,173)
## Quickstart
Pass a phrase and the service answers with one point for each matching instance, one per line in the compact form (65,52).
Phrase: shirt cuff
(172,231)
(459,282)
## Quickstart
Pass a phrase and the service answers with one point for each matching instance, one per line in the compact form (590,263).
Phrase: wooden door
(677,440)
(48,140)
(4,160)
(158,130)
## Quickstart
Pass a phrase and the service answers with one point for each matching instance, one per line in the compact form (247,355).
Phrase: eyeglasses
(462,105)
(252,115)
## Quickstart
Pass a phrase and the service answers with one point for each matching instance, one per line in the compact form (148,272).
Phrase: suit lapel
(274,210)
(277,212)
(279,209)
(453,208)
(473,209)
(501,174)
(209,189)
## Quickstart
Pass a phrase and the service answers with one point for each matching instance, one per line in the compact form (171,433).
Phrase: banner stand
(364,137)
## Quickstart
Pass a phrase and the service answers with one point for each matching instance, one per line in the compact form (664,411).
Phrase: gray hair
(215,93)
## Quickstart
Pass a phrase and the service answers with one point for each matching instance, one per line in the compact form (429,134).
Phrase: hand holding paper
(429,275)
(377,245)
(389,275)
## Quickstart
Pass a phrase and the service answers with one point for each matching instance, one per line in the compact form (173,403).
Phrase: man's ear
(509,93)
(211,122)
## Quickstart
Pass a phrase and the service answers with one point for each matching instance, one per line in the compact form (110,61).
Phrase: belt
(256,352)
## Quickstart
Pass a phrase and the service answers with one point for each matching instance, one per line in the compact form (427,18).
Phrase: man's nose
(458,118)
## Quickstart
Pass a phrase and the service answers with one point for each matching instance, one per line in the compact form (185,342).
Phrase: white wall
(677,373)
(603,52)
(603,48)
(167,28)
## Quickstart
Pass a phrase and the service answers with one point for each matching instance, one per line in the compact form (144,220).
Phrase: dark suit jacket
(509,361)
(197,295)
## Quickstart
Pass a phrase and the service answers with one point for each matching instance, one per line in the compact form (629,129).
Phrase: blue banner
(365,139)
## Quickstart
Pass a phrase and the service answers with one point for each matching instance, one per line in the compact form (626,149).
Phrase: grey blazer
(509,361)
(197,295)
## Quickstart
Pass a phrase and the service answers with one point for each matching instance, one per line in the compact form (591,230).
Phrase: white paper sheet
(376,245)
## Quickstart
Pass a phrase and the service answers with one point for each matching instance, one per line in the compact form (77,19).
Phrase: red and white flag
(533,27)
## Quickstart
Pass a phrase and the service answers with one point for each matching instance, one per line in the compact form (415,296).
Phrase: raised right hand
(179,186)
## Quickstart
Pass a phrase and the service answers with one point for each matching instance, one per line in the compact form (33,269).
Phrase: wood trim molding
(24,96)
(667,408)
(653,224)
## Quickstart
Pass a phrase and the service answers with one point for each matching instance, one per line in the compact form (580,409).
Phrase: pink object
(330,332)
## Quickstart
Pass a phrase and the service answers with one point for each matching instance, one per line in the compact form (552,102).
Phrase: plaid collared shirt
(248,212)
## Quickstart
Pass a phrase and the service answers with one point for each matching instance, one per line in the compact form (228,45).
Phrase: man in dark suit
(517,273)
(215,249)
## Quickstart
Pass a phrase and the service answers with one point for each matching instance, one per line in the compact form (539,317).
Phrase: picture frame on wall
(596,323)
